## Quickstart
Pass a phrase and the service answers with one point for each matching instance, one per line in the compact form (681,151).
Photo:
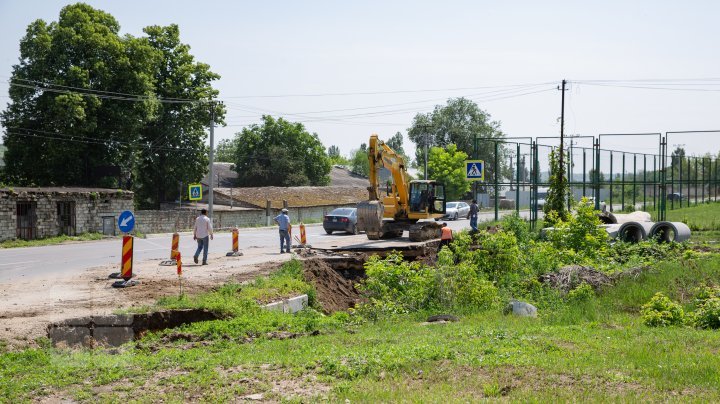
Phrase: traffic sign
(126,221)
(475,170)
(195,192)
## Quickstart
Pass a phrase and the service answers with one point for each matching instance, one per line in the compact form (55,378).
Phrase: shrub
(581,232)
(708,315)
(581,293)
(660,311)
(518,226)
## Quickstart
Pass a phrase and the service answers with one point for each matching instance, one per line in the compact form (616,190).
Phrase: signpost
(195,192)
(475,170)
(126,223)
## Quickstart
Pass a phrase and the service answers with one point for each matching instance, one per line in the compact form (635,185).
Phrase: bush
(581,232)
(581,293)
(660,311)
(708,315)
(518,226)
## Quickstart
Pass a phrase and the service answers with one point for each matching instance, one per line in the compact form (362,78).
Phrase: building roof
(342,177)
(295,196)
(68,190)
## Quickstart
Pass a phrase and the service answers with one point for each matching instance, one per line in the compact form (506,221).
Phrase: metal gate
(66,217)
(25,213)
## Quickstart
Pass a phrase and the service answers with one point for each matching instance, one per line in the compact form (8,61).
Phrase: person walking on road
(473,215)
(203,233)
(446,236)
(283,221)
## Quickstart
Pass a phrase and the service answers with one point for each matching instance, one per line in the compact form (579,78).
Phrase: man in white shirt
(203,233)
(283,221)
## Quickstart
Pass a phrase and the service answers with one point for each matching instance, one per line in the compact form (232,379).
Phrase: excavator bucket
(370,218)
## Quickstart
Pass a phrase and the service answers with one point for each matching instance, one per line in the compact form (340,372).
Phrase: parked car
(455,210)
(341,219)
(675,196)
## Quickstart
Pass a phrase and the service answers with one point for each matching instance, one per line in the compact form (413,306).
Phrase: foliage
(359,162)
(394,286)
(447,165)
(458,122)
(59,137)
(225,150)
(581,232)
(555,207)
(581,293)
(174,139)
(335,157)
(280,153)
(660,311)
(518,226)
(708,314)
(396,143)
(596,179)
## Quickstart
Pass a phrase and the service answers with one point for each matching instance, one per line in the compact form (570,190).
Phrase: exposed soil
(334,291)
(569,277)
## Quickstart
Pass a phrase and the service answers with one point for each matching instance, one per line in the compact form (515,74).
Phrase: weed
(660,311)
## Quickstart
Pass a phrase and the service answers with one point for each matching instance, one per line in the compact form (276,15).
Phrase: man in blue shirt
(283,221)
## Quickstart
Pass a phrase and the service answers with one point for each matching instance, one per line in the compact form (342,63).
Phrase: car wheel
(328,231)
(354,230)
(456,216)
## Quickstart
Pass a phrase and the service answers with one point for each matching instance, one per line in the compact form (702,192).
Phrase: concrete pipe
(666,232)
(634,232)
(611,229)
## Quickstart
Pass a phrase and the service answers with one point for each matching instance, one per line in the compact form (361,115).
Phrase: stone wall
(89,208)
(168,221)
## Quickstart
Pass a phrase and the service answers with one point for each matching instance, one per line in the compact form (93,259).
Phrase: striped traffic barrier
(174,250)
(126,264)
(235,244)
(302,241)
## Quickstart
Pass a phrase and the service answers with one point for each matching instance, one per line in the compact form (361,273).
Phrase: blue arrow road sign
(126,221)
(475,170)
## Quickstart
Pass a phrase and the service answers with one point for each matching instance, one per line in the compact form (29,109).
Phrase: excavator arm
(381,155)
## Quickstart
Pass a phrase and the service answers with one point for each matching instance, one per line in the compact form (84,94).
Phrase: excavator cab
(427,199)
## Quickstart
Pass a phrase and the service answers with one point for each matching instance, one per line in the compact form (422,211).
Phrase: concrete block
(295,304)
(68,336)
(75,322)
(113,336)
(120,320)
(277,306)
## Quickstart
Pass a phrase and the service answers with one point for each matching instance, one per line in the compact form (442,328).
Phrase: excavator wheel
(369,218)
(423,231)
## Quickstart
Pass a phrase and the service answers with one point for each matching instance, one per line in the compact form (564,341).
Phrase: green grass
(592,350)
(50,240)
(704,216)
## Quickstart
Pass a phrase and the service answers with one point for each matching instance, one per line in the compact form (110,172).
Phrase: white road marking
(16,263)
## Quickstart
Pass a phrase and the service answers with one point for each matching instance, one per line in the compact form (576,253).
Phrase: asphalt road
(73,258)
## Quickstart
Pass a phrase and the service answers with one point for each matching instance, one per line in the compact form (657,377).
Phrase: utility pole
(562,129)
(212,158)
(426,155)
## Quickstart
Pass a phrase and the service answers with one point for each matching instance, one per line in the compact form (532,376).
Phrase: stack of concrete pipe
(637,226)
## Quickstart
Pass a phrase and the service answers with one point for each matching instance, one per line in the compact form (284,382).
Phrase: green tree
(336,158)
(225,150)
(359,163)
(459,122)
(396,143)
(280,153)
(555,208)
(62,122)
(173,142)
(447,165)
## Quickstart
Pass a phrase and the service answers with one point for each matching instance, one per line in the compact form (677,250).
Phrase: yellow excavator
(405,202)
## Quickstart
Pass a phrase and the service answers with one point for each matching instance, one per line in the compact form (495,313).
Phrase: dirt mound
(334,292)
(569,277)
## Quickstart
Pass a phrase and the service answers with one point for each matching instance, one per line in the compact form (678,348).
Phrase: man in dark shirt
(473,215)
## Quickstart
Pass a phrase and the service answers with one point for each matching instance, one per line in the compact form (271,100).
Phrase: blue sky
(280,48)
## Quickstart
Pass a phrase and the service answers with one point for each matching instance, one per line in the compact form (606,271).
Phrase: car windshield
(342,212)
(452,205)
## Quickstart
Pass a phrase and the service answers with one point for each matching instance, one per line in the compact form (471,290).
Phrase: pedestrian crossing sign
(475,170)
(195,192)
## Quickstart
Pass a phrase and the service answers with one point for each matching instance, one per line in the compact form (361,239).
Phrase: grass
(704,216)
(50,240)
(591,350)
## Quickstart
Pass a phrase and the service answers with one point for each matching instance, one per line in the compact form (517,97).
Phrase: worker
(283,221)
(446,236)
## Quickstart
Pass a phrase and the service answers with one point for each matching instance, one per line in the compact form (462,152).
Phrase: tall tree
(65,119)
(336,158)
(225,150)
(555,207)
(459,122)
(280,153)
(173,146)
(359,163)
(447,165)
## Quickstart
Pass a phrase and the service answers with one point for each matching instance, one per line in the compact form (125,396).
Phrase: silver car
(456,210)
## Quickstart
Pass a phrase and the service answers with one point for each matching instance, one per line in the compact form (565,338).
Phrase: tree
(459,122)
(280,153)
(225,150)
(359,163)
(555,208)
(396,143)
(62,124)
(447,165)
(173,142)
(335,157)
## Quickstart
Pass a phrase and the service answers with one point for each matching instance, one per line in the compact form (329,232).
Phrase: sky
(349,69)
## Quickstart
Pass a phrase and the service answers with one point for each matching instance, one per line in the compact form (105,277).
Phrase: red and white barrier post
(235,244)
